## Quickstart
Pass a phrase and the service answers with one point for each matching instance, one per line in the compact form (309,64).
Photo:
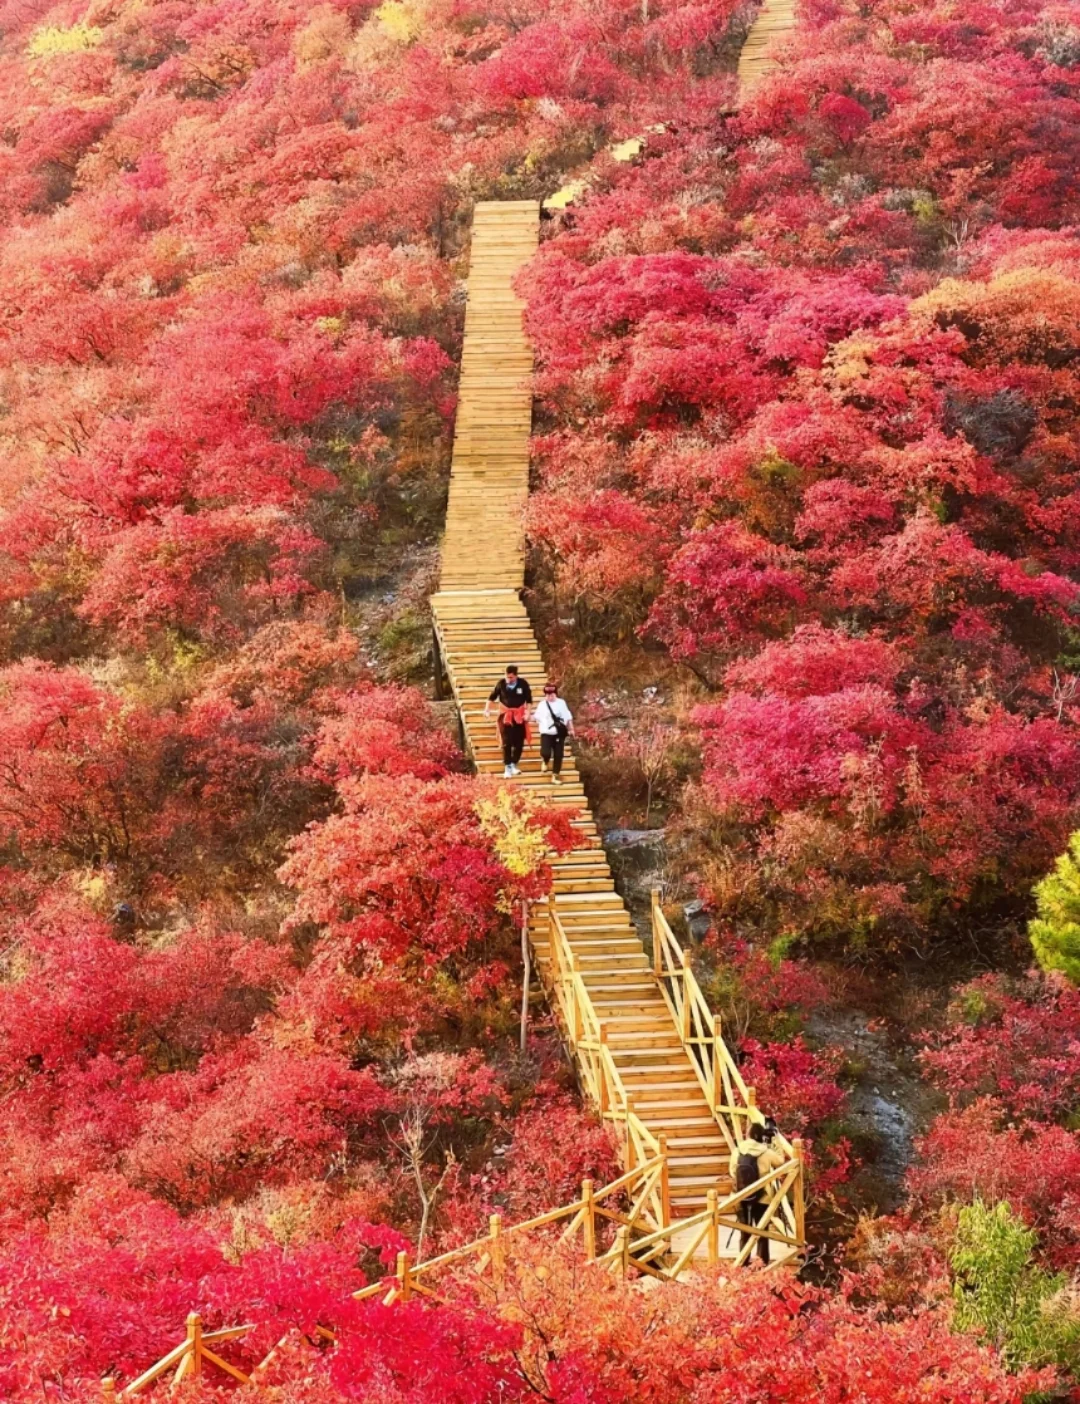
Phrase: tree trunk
(526,976)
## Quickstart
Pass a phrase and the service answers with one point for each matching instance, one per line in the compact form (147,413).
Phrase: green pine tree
(1055,932)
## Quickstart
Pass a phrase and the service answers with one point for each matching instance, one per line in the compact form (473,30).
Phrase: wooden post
(714,1228)
(575,971)
(437,664)
(605,1093)
(717,1064)
(629,1157)
(798,1192)
(622,1246)
(498,1249)
(657,948)
(194,1335)
(404,1277)
(665,1180)
(588,1222)
(108,1390)
(686,1030)
(750,1101)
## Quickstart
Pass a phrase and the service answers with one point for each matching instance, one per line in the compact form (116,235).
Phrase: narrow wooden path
(775,21)
(482,625)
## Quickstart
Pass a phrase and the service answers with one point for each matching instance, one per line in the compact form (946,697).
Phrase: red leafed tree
(1014,1041)
(405,869)
(888,805)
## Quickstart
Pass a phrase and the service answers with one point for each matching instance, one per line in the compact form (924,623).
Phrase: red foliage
(978,1153)
(811,375)
(820,352)
(887,801)
(1016,1042)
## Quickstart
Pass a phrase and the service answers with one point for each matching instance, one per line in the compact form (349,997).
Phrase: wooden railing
(586,1038)
(731,1101)
(729,1098)
(186,1360)
(485,1258)
(628,1205)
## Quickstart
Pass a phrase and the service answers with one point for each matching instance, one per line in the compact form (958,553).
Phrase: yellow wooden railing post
(108,1390)
(686,1010)
(665,1179)
(404,1277)
(605,1091)
(751,1101)
(717,1073)
(588,1222)
(714,1228)
(498,1249)
(575,971)
(622,1248)
(657,946)
(798,1191)
(194,1335)
(629,1158)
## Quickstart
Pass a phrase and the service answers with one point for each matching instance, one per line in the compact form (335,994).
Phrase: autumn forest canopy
(804,545)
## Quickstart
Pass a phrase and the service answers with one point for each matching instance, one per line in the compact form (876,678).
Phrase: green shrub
(1026,1313)
(1055,932)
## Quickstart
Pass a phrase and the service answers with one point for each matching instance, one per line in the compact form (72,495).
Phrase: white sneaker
(508,772)
(543,767)
(514,770)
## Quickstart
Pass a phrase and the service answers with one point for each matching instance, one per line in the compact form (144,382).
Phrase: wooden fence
(731,1101)
(616,1226)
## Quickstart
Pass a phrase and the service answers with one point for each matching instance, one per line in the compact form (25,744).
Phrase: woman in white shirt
(555,723)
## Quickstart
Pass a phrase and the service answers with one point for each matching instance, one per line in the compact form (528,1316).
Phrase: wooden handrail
(631,1247)
(188,1357)
(490,1250)
(730,1099)
(586,1038)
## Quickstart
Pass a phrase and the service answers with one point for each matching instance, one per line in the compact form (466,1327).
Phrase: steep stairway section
(481,626)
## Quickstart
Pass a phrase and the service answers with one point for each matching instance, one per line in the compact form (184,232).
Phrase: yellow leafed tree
(508,821)
(50,42)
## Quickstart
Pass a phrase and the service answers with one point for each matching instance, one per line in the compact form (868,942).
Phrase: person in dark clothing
(752,1159)
(514,697)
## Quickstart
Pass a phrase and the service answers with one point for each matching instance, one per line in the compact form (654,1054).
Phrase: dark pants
(551,749)
(752,1211)
(513,739)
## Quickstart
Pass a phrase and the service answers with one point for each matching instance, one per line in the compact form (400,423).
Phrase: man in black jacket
(514,696)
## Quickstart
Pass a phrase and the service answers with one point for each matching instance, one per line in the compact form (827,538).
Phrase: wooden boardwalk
(775,21)
(598,973)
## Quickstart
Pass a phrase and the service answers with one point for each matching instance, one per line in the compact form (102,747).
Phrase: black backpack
(561,729)
(746,1172)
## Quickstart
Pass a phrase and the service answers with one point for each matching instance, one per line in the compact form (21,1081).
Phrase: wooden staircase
(632,1032)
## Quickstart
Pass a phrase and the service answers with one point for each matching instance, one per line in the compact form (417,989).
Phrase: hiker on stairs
(753,1157)
(514,696)
(555,722)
